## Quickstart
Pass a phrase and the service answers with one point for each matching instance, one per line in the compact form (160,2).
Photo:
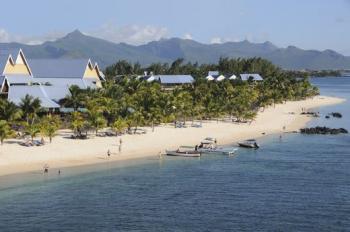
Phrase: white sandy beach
(65,152)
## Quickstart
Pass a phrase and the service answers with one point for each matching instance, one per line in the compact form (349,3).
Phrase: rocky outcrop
(323,130)
(313,114)
(336,115)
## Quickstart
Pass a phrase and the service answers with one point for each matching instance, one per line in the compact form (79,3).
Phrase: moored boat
(209,145)
(185,151)
(250,143)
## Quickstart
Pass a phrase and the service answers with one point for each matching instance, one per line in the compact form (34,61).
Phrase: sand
(66,152)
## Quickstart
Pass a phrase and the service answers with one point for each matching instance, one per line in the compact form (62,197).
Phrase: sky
(308,24)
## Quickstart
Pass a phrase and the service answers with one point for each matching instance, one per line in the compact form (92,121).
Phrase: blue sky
(309,24)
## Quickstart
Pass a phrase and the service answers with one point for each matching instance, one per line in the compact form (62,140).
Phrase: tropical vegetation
(126,102)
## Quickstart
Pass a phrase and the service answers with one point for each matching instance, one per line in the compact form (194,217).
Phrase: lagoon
(297,183)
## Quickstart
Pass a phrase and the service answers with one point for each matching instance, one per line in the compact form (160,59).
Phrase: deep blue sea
(299,183)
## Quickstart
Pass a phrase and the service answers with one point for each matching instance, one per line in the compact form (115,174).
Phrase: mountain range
(79,45)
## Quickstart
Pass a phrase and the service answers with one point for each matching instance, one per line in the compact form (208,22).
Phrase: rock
(323,130)
(313,114)
(336,115)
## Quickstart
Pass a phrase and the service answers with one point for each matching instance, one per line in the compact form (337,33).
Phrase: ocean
(297,183)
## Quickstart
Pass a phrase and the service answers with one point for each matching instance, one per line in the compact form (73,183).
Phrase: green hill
(78,45)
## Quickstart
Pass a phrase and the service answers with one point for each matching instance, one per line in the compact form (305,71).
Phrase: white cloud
(188,36)
(216,40)
(131,34)
(6,37)
(258,38)
(219,40)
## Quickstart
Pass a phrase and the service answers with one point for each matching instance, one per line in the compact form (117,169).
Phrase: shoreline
(64,152)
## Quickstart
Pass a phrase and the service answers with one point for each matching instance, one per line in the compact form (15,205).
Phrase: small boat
(208,145)
(250,143)
(185,151)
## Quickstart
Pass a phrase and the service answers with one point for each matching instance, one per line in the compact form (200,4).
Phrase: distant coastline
(315,73)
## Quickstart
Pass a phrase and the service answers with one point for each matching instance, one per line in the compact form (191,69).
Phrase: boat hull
(183,154)
(217,151)
(248,145)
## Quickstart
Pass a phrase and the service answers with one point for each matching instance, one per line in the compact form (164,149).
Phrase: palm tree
(110,109)
(49,126)
(74,99)
(183,104)
(95,116)
(9,111)
(31,129)
(154,115)
(77,123)
(30,107)
(119,125)
(5,131)
(136,119)
(97,121)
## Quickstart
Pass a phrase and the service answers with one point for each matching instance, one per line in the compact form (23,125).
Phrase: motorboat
(208,145)
(250,143)
(185,151)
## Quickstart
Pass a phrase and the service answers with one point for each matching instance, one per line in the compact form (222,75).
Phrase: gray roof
(213,73)
(58,88)
(174,79)
(62,82)
(20,79)
(254,76)
(56,93)
(58,68)
(82,83)
(17,93)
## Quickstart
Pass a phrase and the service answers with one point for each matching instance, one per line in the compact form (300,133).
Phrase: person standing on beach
(120,145)
(46,168)
(108,153)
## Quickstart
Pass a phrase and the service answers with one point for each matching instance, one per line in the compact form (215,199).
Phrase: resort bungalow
(174,80)
(168,80)
(215,76)
(212,75)
(252,77)
(46,79)
(231,77)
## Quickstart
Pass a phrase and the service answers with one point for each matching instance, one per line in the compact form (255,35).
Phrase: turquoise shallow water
(299,183)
